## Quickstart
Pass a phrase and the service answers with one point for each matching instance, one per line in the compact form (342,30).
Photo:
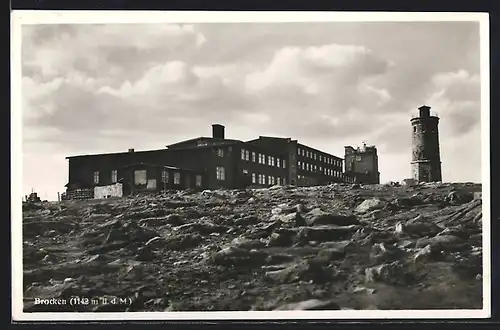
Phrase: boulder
(369,205)
(441,242)
(325,233)
(302,271)
(383,253)
(316,217)
(235,256)
(459,197)
(427,253)
(245,243)
(409,182)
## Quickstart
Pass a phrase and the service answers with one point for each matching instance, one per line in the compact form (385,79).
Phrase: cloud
(458,99)
(119,50)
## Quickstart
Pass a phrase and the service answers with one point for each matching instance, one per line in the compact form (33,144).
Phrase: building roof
(323,152)
(117,153)
(290,140)
(202,138)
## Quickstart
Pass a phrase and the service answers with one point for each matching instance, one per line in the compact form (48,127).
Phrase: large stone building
(208,163)
(361,163)
(426,160)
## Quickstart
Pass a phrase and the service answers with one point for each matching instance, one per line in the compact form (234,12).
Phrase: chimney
(218,131)
(425,111)
(131,150)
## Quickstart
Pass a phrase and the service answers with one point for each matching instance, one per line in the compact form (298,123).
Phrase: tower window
(414,129)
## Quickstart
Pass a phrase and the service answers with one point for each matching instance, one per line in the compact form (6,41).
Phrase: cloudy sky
(107,88)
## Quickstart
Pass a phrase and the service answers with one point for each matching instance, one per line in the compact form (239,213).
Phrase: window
(243,154)
(262,179)
(268,160)
(284,163)
(253,178)
(314,156)
(284,181)
(321,168)
(278,181)
(96,177)
(253,156)
(221,173)
(307,166)
(414,129)
(198,181)
(272,161)
(269,180)
(220,152)
(177,178)
(277,162)
(320,158)
(298,163)
(261,158)
(151,185)
(247,155)
(303,166)
(140,177)
(298,151)
(114,176)
(164,176)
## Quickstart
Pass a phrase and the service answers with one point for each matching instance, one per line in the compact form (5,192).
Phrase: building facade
(208,163)
(362,164)
(426,159)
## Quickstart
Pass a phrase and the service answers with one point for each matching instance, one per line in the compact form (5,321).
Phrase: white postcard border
(19,18)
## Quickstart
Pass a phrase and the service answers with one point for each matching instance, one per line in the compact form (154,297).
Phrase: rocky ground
(282,248)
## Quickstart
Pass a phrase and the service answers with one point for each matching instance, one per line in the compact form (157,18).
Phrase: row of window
(321,169)
(140,177)
(346,179)
(269,180)
(315,156)
(114,176)
(262,159)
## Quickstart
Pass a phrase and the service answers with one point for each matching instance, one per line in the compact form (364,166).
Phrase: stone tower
(426,161)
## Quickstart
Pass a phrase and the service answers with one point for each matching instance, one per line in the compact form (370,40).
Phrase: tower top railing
(432,114)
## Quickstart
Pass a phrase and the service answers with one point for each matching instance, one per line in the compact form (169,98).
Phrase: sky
(90,88)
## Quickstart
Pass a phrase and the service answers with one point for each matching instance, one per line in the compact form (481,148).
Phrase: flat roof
(317,150)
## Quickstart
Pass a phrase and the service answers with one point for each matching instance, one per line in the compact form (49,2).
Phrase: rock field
(279,248)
